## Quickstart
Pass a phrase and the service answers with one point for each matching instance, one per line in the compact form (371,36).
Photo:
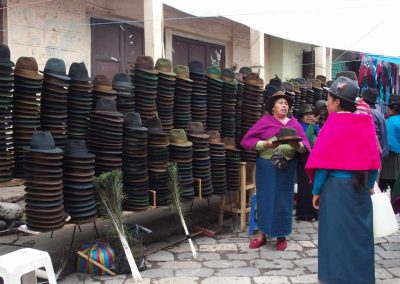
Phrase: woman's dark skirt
(275,192)
(304,208)
(345,234)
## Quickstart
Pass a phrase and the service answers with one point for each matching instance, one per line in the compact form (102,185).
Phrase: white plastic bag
(384,219)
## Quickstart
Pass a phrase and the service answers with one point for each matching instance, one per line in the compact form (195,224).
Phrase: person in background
(343,166)
(320,112)
(305,210)
(275,184)
(391,163)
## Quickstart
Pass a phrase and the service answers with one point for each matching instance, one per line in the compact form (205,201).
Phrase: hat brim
(166,73)
(148,71)
(36,77)
(7,64)
(52,151)
(186,144)
(62,77)
(143,129)
(339,96)
(84,156)
(289,139)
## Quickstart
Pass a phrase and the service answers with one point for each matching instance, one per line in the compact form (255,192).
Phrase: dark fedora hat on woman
(269,104)
(5,56)
(394,100)
(27,67)
(345,89)
(304,109)
(370,95)
(43,142)
(56,67)
(78,72)
(76,148)
(132,120)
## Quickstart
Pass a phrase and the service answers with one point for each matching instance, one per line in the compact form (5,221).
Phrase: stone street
(227,259)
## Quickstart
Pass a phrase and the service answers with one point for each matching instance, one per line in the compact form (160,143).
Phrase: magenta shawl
(347,141)
(269,126)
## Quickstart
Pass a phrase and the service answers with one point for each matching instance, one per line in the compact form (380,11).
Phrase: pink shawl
(347,141)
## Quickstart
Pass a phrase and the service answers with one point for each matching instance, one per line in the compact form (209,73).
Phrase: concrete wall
(285,58)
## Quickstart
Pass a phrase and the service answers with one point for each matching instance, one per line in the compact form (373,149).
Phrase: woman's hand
(372,191)
(270,144)
(315,201)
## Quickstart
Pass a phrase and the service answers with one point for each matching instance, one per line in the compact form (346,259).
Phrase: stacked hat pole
(218,163)
(44,184)
(181,152)
(135,163)
(78,176)
(145,80)
(199,93)
(158,151)
(232,164)
(230,88)
(122,84)
(102,88)
(105,135)
(318,91)
(26,108)
(303,90)
(288,86)
(214,98)
(252,107)
(297,96)
(310,93)
(54,102)
(6,99)
(165,93)
(182,97)
(239,96)
(80,101)
(201,159)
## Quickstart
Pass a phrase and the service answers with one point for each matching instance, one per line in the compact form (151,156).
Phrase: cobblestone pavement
(227,259)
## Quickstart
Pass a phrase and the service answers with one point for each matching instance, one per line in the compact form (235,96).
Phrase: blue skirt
(275,192)
(345,234)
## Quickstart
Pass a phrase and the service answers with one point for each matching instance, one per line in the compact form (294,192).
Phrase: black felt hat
(77,148)
(344,88)
(56,67)
(370,95)
(78,72)
(394,100)
(5,56)
(43,142)
(132,120)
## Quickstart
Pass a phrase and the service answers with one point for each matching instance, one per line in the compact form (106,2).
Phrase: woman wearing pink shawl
(275,186)
(344,165)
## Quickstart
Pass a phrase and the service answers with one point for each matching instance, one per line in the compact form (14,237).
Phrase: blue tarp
(395,60)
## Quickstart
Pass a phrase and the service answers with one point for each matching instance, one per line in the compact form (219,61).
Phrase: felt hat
(254,80)
(132,120)
(370,95)
(394,100)
(78,72)
(320,106)
(145,64)
(121,80)
(177,137)
(27,67)
(322,78)
(43,142)
(77,149)
(182,72)
(245,71)
(304,109)
(288,134)
(164,66)
(196,67)
(103,84)
(348,74)
(5,56)
(269,104)
(344,88)
(56,67)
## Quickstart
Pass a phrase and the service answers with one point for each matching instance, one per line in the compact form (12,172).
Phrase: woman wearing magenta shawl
(344,165)
(275,186)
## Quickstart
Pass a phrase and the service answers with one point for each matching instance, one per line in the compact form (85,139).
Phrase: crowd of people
(335,167)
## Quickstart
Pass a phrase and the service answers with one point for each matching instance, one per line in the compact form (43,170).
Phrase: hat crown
(394,100)
(348,74)
(145,63)
(4,51)
(196,67)
(301,81)
(288,86)
(78,71)
(245,70)
(132,120)
(121,79)
(253,79)
(214,72)
(106,104)
(26,64)
(163,65)
(370,95)
(42,140)
(229,142)
(101,80)
(316,83)
(214,136)
(296,86)
(345,88)
(153,123)
(76,147)
(305,108)
(228,75)
(287,131)
(182,71)
(177,136)
(195,128)
(322,78)
(55,66)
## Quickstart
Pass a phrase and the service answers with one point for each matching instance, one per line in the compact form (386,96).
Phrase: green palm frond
(175,191)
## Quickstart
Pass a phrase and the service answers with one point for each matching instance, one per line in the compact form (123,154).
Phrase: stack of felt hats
(54,101)
(80,101)
(158,151)
(297,96)
(252,104)
(102,88)
(230,88)
(288,86)
(165,93)
(78,176)
(232,164)
(214,98)
(199,93)
(218,162)
(201,158)
(6,98)
(44,183)
(238,127)
(310,93)
(181,152)
(145,80)
(318,91)
(303,90)
(183,97)
(26,108)
(105,136)
(122,84)
(135,163)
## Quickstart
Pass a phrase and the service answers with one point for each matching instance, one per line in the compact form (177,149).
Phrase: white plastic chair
(14,265)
